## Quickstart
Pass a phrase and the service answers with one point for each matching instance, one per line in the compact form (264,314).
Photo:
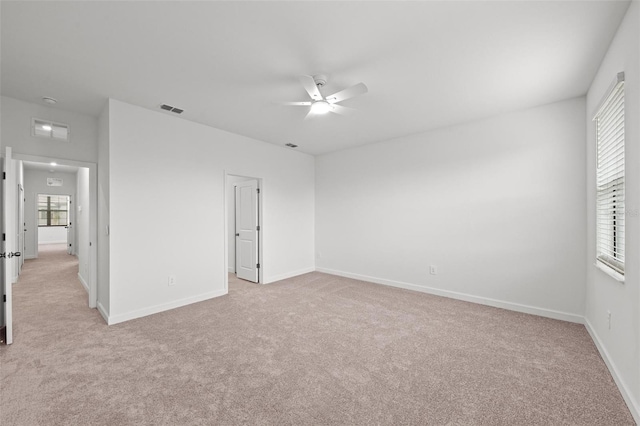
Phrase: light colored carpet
(311,350)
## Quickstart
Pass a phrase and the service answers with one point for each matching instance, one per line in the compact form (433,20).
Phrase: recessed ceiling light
(54,164)
(49,100)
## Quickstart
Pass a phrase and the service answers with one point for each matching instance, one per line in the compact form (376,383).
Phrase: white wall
(35,182)
(620,344)
(103,258)
(497,205)
(16,131)
(82,211)
(231,211)
(166,207)
(52,235)
(81,150)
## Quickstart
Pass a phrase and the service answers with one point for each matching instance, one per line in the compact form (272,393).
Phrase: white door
(8,195)
(247,194)
(69,227)
(20,226)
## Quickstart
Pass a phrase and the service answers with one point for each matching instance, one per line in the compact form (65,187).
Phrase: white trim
(30,256)
(83,282)
(231,270)
(115,319)
(609,271)
(225,227)
(517,307)
(93,216)
(103,312)
(619,79)
(280,277)
(261,274)
(634,408)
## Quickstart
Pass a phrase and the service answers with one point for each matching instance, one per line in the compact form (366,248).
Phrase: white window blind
(610,191)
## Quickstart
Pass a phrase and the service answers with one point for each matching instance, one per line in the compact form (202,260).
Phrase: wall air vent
(290,145)
(172,109)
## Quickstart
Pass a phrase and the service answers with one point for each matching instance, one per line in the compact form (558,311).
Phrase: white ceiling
(427,64)
(47,167)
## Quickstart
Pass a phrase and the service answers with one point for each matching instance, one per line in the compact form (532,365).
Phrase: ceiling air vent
(172,109)
(290,145)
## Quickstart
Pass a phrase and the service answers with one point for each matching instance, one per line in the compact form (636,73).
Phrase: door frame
(93,216)
(21,224)
(225,195)
(8,218)
(36,227)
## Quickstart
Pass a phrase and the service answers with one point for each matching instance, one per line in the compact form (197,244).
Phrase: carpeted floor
(311,350)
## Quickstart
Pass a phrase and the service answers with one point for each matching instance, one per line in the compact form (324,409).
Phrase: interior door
(247,230)
(9,222)
(69,227)
(20,226)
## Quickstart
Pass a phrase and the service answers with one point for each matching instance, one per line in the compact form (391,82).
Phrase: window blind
(610,187)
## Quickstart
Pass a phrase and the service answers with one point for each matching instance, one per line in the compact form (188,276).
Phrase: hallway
(47,294)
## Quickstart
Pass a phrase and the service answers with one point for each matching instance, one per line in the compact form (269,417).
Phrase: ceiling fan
(321,105)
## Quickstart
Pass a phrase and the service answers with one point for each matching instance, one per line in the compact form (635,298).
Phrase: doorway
(243,212)
(61,209)
(54,221)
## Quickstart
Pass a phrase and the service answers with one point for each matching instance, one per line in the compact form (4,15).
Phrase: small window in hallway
(49,129)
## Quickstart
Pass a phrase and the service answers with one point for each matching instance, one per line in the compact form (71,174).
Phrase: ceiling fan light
(320,107)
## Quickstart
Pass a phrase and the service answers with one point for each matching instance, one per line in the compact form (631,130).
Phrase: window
(49,129)
(53,210)
(610,188)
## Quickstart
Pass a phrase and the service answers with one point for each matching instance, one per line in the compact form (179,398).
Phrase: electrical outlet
(433,270)
(609,319)
(172,280)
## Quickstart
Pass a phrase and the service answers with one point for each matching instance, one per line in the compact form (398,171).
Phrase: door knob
(237,235)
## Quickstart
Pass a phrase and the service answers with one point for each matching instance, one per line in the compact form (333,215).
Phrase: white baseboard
(83,282)
(115,319)
(547,313)
(103,312)
(275,278)
(30,256)
(231,270)
(634,408)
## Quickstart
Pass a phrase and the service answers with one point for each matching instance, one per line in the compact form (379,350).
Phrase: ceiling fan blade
(295,103)
(347,93)
(310,114)
(339,109)
(310,86)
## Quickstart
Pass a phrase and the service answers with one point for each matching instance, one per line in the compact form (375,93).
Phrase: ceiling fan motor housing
(320,80)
